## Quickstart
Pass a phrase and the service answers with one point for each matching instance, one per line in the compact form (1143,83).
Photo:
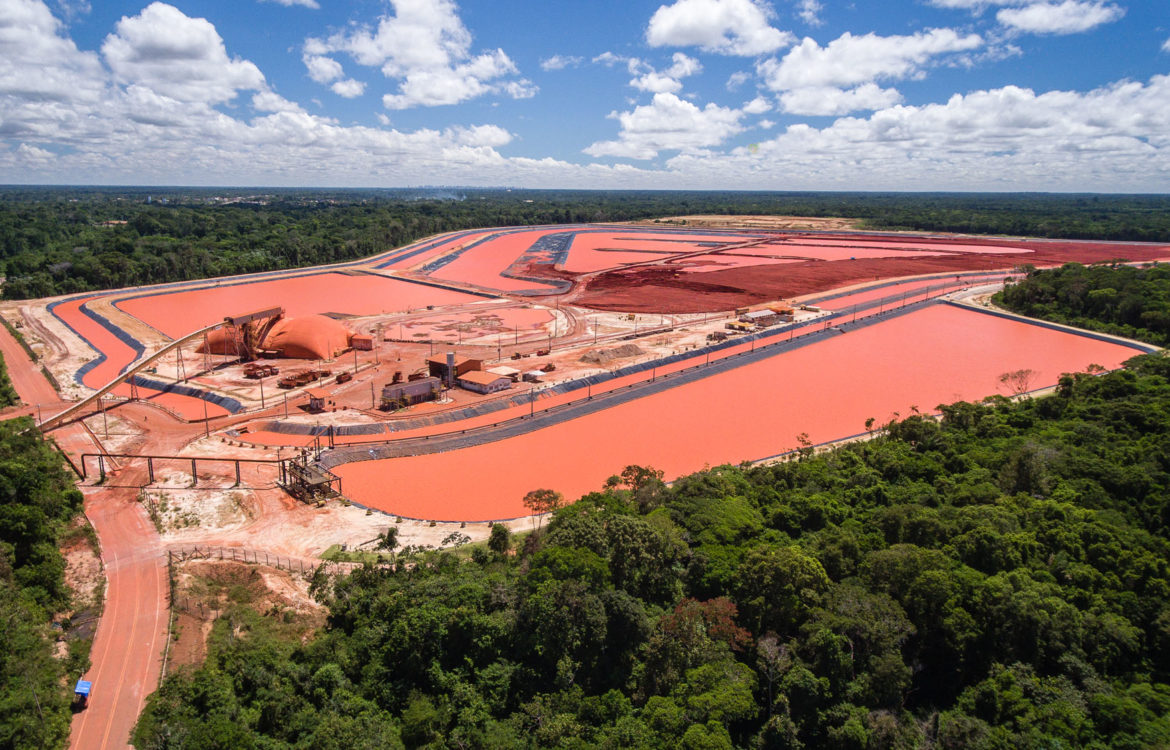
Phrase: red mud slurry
(482,265)
(423,258)
(118,354)
(827,390)
(180,313)
(906,291)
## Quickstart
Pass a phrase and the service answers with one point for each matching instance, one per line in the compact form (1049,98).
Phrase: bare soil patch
(174,507)
(83,569)
(205,589)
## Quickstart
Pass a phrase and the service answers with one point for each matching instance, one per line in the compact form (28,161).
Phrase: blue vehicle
(81,692)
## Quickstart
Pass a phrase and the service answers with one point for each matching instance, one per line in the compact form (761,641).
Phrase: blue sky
(1064,95)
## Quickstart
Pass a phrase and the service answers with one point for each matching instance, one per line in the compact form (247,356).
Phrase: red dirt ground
(655,289)
(748,413)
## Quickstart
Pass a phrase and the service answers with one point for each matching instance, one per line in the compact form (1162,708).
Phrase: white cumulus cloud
(975,5)
(850,60)
(824,101)
(560,62)
(661,81)
(427,49)
(1113,138)
(1068,17)
(757,106)
(325,70)
(348,88)
(729,27)
(810,12)
(669,123)
(38,63)
(180,57)
(289,3)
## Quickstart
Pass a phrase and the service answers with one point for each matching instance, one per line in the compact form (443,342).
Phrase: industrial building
(400,395)
(449,367)
(361,342)
(484,382)
(508,372)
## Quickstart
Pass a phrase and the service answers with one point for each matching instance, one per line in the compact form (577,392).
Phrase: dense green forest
(37,501)
(65,240)
(996,578)
(1117,299)
(8,395)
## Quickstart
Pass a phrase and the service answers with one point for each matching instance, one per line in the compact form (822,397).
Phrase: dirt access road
(127,648)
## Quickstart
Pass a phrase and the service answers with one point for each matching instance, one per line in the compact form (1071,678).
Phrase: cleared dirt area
(85,578)
(207,589)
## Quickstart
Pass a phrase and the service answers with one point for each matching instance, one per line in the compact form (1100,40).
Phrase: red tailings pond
(936,355)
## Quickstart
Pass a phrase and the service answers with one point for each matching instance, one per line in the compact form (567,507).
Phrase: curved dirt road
(127,648)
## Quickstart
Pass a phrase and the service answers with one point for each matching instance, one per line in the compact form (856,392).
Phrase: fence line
(300,565)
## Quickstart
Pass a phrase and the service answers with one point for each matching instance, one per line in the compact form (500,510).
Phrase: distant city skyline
(982,95)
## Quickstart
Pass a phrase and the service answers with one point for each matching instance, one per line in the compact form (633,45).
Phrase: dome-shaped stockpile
(306,337)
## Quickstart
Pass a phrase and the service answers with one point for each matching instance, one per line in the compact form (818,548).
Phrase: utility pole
(105,423)
(206,426)
(261,393)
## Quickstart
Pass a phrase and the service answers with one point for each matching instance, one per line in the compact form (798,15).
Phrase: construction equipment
(253,327)
(259,372)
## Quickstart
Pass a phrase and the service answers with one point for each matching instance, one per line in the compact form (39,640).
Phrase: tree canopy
(67,240)
(37,500)
(995,578)
(1113,298)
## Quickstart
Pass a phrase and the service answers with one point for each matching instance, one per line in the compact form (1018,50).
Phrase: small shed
(510,373)
(533,376)
(398,395)
(361,342)
(484,382)
(317,398)
(760,318)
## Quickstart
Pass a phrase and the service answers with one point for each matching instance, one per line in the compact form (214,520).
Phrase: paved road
(127,648)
